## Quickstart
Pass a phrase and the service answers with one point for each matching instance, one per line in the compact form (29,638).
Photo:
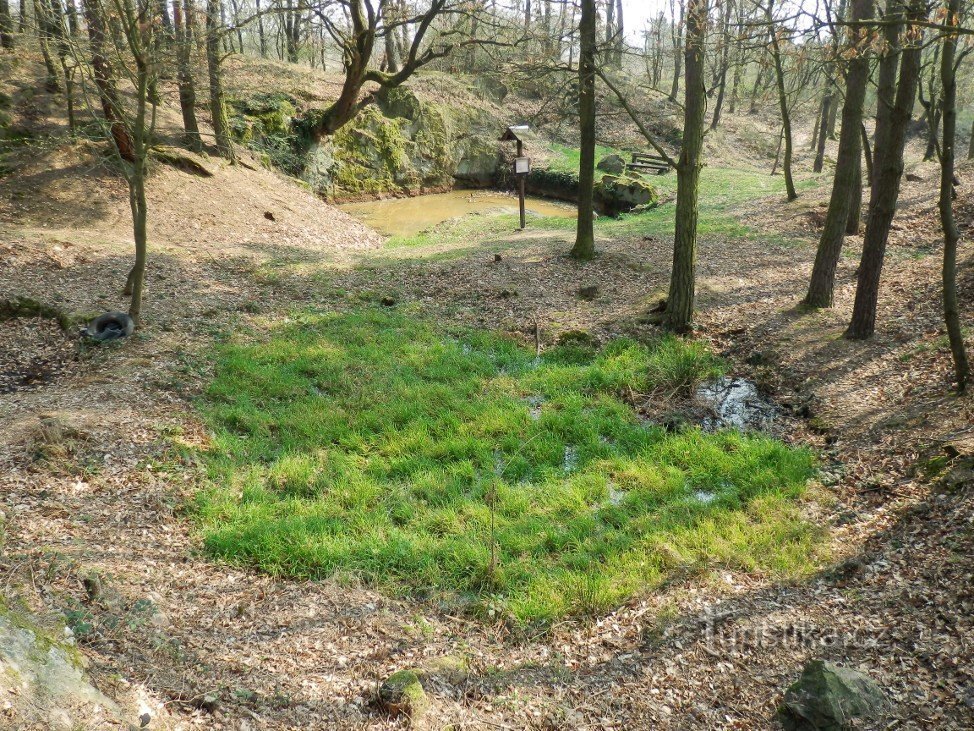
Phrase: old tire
(111,326)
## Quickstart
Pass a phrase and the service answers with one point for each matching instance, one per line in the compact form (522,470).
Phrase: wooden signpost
(522,165)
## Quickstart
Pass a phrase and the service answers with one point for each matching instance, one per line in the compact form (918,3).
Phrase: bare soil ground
(95,525)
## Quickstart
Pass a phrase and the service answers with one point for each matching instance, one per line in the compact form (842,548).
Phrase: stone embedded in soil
(402,694)
(829,697)
(588,293)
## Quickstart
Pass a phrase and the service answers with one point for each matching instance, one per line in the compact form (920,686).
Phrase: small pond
(409,216)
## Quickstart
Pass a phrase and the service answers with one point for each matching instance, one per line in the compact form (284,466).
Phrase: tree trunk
(724,62)
(782,103)
(261,35)
(867,155)
(951,235)
(843,205)
(6,26)
(584,248)
(218,107)
(823,132)
(105,81)
(970,144)
(680,302)
(392,54)
(678,50)
(888,170)
(187,86)
(855,205)
(42,13)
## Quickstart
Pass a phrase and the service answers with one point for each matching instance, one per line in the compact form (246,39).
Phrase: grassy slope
(376,445)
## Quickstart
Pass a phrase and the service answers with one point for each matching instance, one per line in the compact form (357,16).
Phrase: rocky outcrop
(402,144)
(43,684)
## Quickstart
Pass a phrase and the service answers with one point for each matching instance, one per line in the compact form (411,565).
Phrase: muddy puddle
(410,216)
(735,403)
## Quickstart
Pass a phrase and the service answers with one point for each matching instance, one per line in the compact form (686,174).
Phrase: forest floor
(88,487)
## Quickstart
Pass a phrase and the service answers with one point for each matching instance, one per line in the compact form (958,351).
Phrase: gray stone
(829,697)
(612,164)
(44,680)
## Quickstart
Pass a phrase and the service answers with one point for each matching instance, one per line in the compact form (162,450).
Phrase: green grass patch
(454,464)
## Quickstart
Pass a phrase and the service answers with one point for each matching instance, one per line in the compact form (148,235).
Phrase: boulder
(612,164)
(829,697)
(619,194)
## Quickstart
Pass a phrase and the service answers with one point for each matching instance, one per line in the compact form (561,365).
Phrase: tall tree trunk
(782,102)
(823,131)
(970,144)
(848,179)
(955,335)
(105,81)
(680,302)
(724,62)
(678,49)
(584,248)
(6,26)
(392,53)
(42,12)
(261,35)
(218,107)
(187,86)
(620,33)
(888,170)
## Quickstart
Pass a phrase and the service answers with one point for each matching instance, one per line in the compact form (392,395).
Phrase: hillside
(105,449)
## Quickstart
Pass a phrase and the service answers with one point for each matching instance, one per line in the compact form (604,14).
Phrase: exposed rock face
(44,682)
(43,686)
(401,144)
(830,697)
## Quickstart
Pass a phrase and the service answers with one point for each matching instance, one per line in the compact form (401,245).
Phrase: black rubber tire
(110,326)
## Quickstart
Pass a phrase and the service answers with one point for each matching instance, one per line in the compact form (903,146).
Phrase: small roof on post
(519,133)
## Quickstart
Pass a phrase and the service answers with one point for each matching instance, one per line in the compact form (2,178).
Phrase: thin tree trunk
(678,50)
(970,144)
(855,205)
(261,36)
(680,302)
(782,103)
(955,334)
(218,108)
(584,248)
(844,203)
(6,26)
(888,170)
(42,13)
(724,62)
(823,132)
(867,155)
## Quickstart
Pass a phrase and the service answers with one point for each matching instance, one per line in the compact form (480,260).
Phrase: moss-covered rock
(621,194)
(402,694)
(612,164)
(829,697)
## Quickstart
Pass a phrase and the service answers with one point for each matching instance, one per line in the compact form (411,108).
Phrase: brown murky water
(409,216)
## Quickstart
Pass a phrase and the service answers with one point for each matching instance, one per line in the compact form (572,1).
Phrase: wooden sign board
(522,165)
